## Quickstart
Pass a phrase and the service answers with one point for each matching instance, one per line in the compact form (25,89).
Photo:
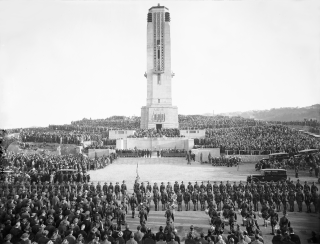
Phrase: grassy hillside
(282,114)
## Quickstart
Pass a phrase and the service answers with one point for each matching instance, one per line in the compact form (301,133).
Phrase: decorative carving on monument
(158,117)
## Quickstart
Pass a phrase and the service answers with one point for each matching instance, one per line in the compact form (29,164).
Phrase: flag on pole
(137,171)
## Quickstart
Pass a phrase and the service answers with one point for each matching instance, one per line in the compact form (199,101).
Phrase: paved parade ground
(176,169)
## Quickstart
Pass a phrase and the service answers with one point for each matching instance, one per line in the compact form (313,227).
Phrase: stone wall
(155,143)
(92,153)
(120,134)
(193,133)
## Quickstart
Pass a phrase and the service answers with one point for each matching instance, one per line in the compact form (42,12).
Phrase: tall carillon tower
(159,112)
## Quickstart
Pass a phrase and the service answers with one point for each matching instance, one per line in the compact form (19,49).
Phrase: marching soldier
(195,198)
(284,199)
(109,196)
(186,199)
(162,187)
(248,196)
(182,188)
(142,188)
(284,223)
(133,204)
(274,218)
(179,200)
(209,187)
(169,214)
(215,187)
(156,199)
(123,187)
(299,199)
(202,199)
(307,200)
(148,187)
(169,187)
(314,188)
(190,188)
(255,200)
(196,187)
(277,200)
(298,185)
(176,187)
(139,196)
(155,188)
(98,188)
(111,187)
(222,187)
(136,186)
(306,187)
(234,186)
(218,199)
(104,187)
(117,190)
(202,187)
(164,199)
(291,199)
(209,197)
(228,186)
(315,200)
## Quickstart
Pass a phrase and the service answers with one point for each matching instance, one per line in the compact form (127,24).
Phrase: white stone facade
(159,109)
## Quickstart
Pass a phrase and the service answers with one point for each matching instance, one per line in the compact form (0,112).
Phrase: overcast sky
(62,61)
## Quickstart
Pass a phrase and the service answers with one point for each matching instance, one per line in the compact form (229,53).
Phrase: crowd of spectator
(62,137)
(113,123)
(141,133)
(43,165)
(207,122)
(269,138)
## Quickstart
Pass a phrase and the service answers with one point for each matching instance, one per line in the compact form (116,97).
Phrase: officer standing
(133,204)
(186,198)
(195,198)
(291,199)
(179,200)
(299,199)
(156,199)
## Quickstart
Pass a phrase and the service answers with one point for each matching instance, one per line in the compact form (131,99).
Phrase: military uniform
(299,199)
(182,188)
(133,204)
(291,199)
(179,200)
(123,187)
(156,199)
(255,200)
(117,190)
(308,199)
(186,198)
(195,199)
(202,199)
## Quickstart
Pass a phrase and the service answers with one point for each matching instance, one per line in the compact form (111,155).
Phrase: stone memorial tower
(159,112)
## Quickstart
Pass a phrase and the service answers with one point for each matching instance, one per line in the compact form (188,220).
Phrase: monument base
(159,117)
